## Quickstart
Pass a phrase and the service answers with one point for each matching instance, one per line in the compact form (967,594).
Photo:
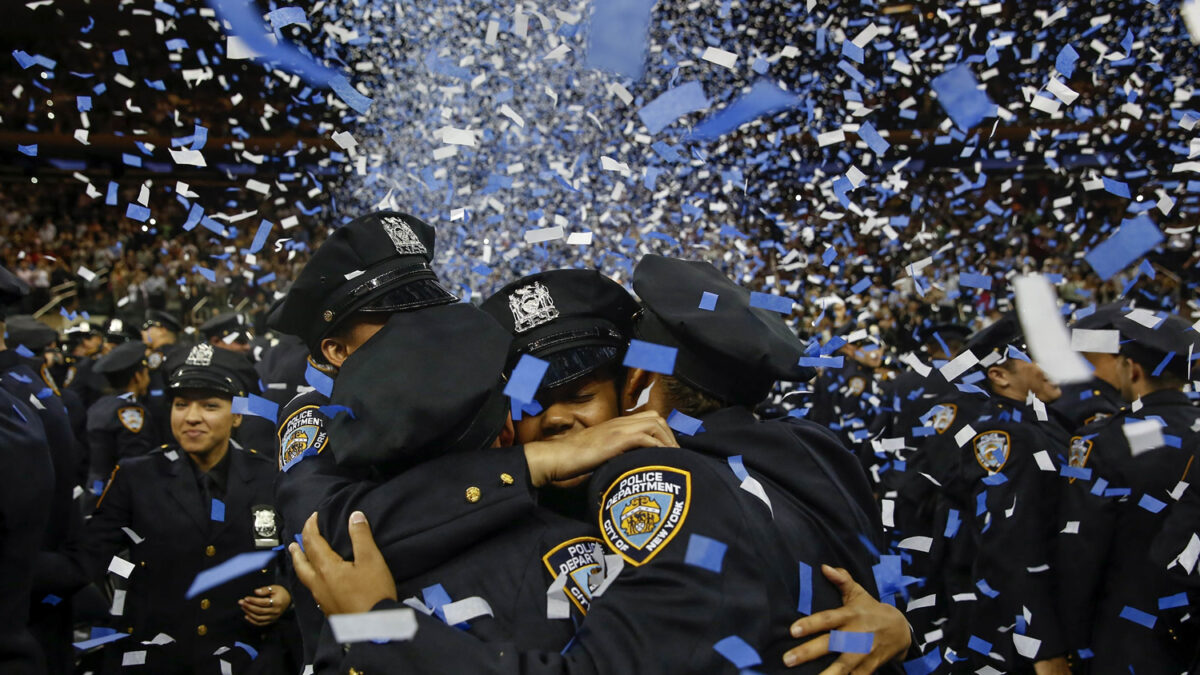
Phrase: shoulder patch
(577,558)
(1081,449)
(643,509)
(992,449)
(49,379)
(301,431)
(132,418)
(943,416)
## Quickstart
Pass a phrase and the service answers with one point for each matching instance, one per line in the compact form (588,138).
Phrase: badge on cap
(577,558)
(266,529)
(201,355)
(643,509)
(403,237)
(531,307)
(991,450)
(132,419)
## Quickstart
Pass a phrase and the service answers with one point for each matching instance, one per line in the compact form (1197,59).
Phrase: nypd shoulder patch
(132,418)
(1080,450)
(643,509)
(992,450)
(943,416)
(577,558)
(301,431)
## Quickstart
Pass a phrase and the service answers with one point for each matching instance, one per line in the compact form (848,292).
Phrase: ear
(508,433)
(334,351)
(998,377)
(1137,374)
(237,421)
(636,380)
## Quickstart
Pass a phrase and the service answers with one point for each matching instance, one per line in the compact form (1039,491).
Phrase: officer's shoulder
(151,461)
(680,463)
(306,399)
(256,456)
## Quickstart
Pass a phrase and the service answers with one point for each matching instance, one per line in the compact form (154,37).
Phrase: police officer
(579,322)
(1085,402)
(116,331)
(708,535)
(183,509)
(26,507)
(228,331)
(40,344)
(1127,472)
(367,270)
(83,344)
(399,424)
(160,332)
(996,516)
(119,425)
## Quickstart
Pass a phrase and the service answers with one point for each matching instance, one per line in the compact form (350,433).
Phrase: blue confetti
(1151,504)
(848,642)
(708,301)
(217,512)
(617,39)
(1131,241)
(705,552)
(237,566)
(804,604)
(1138,616)
(763,98)
(1065,62)
(318,380)
(684,424)
(526,378)
(959,95)
(738,652)
(256,406)
(673,104)
(260,236)
(649,356)
(773,303)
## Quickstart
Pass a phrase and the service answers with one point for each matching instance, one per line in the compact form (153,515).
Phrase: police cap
(12,289)
(157,317)
(996,338)
(1102,317)
(23,329)
(118,330)
(222,326)
(206,368)
(441,391)
(80,332)
(122,357)
(376,263)
(734,352)
(1163,348)
(576,320)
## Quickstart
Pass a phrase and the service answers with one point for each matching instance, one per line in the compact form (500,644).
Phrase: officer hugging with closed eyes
(187,507)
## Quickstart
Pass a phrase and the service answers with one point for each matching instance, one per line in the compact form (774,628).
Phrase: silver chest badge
(201,355)
(531,306)
(403,237)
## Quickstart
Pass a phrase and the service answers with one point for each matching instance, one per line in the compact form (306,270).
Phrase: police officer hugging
(182,509)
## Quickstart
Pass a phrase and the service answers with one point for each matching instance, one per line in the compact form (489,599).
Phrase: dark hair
(120,379)
(1149,359)
(689,400)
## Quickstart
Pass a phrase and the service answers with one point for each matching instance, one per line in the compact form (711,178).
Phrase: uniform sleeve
(477,491)
(1015,552)
(102,448)
(103,536)
(1078,556)
(664,615)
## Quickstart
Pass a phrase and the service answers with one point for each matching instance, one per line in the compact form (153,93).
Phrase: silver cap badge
(403,237)
(201,355)
(531,306)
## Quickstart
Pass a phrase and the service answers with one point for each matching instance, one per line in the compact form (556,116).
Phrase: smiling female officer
(180,510)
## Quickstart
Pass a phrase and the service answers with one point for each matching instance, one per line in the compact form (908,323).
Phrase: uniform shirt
(998,521)
(709,537)
(1082,403)
(52,573)
(415,527)
(157,498)
(1120,500)
(24,512)
(119,426)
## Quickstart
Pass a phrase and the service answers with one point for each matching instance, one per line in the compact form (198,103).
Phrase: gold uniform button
(201,630)
(506,479)
(210,550)
(473,494)
(204,604)
(355,671)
